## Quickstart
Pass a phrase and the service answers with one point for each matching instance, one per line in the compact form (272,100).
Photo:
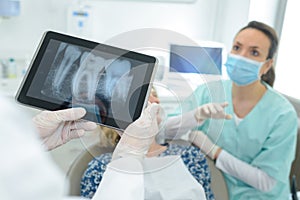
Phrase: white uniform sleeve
(245,172)
(26,172)
(179,125)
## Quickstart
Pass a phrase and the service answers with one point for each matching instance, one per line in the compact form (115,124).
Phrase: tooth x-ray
(110,83)
(88,80)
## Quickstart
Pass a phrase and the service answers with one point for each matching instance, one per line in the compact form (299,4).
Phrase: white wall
(117,17)
(270,12)
(232,15)
(204,20)
(20,35)
(287,66)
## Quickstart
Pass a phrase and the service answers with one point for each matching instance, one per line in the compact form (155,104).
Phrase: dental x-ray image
(88,80)
(111,83)
(63,68)
(118,79)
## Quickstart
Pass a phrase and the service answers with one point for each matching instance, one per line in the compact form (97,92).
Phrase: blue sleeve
(93,175)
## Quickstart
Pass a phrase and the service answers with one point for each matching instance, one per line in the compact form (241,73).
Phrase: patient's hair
(269,77)
(108,137)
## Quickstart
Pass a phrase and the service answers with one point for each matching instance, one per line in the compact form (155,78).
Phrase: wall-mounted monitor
(196,59)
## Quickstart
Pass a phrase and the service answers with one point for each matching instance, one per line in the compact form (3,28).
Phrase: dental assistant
(254,149)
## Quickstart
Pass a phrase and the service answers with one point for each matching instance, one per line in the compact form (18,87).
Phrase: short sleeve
(278,151)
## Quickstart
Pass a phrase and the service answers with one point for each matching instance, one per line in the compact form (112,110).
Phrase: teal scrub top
(265,138)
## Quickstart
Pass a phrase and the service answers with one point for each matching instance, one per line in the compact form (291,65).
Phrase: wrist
(218,151)
(211,151)
(198,117)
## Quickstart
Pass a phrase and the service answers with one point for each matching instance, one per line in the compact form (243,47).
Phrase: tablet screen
(109,82)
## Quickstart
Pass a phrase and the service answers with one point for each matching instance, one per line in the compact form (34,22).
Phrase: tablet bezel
(24,99)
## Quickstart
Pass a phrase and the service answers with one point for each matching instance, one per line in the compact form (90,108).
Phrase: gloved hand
(59,127)
(138,136)
(211,110)
(202,141)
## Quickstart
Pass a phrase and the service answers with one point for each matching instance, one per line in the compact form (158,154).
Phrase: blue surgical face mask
(241,70)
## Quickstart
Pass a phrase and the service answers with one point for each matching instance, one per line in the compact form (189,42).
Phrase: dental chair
(218,184)
(80,164)
(295,170)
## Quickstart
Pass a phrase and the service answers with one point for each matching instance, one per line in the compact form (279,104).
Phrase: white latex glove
(138,136)
(59,127)
(211,110)
(202,141)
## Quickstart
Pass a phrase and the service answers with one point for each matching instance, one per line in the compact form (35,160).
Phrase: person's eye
(254,53)
(235,48)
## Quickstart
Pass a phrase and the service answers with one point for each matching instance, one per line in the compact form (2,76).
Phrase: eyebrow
(253,47)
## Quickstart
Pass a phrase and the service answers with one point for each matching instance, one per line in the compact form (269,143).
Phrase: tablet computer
(111,83)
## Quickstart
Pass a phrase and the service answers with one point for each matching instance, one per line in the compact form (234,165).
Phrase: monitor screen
(196,59)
